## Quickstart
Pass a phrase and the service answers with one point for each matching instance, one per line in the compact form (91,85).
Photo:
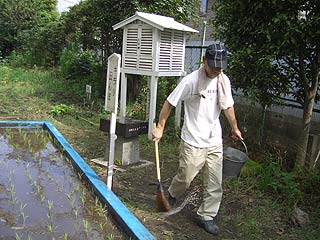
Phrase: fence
(193,57)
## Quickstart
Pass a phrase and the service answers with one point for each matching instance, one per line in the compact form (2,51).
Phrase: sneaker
(172,201)
(209,226)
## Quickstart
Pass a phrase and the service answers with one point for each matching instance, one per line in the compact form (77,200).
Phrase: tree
(15,16)
(18,16)
(89,23)
(275,45)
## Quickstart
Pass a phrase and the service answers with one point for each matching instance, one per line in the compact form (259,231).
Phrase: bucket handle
(245,146)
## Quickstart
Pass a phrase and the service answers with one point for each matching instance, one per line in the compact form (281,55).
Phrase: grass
(256,206)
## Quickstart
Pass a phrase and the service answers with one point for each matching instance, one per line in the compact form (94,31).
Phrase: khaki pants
(191,161)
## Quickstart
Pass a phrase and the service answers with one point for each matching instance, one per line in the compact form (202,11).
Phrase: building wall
(205,16)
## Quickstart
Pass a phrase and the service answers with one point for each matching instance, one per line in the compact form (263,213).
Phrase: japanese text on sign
(112,84)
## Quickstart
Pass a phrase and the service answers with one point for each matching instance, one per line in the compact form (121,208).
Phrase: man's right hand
(157,133)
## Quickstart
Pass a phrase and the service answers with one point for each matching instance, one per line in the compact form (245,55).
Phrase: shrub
(80,68)
(60,109)
(284,185)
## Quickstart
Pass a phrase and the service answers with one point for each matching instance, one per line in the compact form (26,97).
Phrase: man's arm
(164,114)
(230,115)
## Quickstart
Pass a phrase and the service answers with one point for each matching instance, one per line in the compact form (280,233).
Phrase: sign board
(88,88)
(112,83)
(111,105)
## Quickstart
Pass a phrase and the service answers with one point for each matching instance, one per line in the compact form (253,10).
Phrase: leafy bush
(18,59)
(80,68)
(76,64)
(60,109)
(284,185)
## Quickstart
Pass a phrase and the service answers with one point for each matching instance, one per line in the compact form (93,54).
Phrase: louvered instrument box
(153,45)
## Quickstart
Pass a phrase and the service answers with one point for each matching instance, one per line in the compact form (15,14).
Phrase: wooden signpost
(111,105)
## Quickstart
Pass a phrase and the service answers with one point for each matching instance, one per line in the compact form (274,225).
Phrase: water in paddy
(42,196)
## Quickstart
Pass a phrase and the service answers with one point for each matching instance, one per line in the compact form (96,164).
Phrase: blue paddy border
(127,221)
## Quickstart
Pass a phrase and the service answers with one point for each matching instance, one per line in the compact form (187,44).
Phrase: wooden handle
(157,160)
(156,146)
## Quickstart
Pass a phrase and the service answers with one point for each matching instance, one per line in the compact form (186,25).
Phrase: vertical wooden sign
(111,105)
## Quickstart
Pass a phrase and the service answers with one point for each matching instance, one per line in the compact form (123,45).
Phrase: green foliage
(80,68)
(250,168)
(310,180)
(181,10)
(60,109)
(42,46)
(138,108)
(89,24)
(17,60)
(268,41)
(32,15)
(76,64)
(274,180)
(275,51)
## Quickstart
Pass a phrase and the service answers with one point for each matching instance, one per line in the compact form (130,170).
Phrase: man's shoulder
(192,76)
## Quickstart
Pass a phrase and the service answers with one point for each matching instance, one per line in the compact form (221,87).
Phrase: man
(205,93)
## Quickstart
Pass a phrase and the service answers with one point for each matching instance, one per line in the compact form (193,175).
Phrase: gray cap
(216,55)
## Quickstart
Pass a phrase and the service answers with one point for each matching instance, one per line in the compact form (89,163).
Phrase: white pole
(113,138)
(153,104)
(203,39)
(316,160)
(123,97)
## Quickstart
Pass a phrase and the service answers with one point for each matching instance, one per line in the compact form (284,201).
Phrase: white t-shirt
(201,126)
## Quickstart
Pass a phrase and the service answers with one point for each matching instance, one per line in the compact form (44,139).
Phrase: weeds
(60,109)
(282,184)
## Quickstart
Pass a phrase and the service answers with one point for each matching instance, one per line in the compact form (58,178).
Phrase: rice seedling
(83,197)
(77,188)
(50,204)
(13,199)
(101,226)
(24,218)
(22,213)
(18,160)
(110,237)
(75,212)
(42,198)
(18,236)
(69,195)
(86,226)
(50,227)
(65,236)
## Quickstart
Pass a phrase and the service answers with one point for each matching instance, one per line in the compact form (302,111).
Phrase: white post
(148,99)
(153,104)
(111,105)
(112,139)
(203,39)
(123,97)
